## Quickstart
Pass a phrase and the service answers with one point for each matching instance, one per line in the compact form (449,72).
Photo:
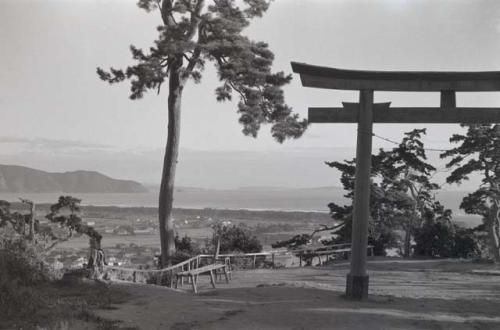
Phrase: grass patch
(230,313)
(54,303)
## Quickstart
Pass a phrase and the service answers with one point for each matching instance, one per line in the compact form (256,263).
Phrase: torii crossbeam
(365,113)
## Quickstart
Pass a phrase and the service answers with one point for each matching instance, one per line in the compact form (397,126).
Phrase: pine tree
(479,152)
(192,33)
(401,193)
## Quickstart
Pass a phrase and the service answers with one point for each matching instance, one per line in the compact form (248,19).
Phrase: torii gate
(365,113)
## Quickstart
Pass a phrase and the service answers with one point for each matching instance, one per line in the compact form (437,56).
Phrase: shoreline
(179,208)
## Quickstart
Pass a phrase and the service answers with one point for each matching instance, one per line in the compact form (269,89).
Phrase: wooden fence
(166,275)
(153,276)
(326,250)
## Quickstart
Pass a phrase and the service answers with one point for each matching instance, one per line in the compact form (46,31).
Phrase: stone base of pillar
(357,287)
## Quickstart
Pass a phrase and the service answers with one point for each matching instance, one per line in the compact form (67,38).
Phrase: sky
(57,115)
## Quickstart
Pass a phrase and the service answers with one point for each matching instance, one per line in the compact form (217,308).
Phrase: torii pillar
(357,279)
(366,112)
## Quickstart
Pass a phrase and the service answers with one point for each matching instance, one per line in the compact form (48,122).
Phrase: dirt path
(411,296)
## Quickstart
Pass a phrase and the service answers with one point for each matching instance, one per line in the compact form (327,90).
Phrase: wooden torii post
(366,112)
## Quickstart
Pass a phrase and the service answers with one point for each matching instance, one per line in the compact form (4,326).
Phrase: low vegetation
(233,239)
(445,240)
(32,293)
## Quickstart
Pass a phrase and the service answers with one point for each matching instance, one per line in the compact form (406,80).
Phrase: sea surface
(261,198)
(285,200)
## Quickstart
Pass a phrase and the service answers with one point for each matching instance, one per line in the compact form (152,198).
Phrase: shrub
(444,240)
(18,300)
(433,240)
(21,270)
(238,239)
(382,241)
(185,245)
(294,242)
(185,248)
(20,261)
(465,245)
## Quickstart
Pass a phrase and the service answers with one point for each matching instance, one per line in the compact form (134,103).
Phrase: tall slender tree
(479,152)
(193,32)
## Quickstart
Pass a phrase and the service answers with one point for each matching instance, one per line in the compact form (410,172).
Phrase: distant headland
(20,179)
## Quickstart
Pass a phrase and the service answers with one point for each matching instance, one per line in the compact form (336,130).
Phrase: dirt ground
(403,295)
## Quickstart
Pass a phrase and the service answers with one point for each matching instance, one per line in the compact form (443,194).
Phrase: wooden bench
(205,270)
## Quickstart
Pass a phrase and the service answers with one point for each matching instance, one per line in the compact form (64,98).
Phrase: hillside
(20,179)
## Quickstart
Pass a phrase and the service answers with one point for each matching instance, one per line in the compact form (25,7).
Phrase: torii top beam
(410,81)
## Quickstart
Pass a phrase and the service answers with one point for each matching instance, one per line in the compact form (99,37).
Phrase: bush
(21,270)
(185,245)
(21,262)
(465,243)
(444,240)
(433,240)
(381,242)
(18,300)
(293,243)
(185,248)
(238,239)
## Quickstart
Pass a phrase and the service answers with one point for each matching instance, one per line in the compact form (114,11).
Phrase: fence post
(272,256)
(172,278)
(254,260)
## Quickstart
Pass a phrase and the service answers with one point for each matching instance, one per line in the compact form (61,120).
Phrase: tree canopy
(401,193)
(479,152)
(64,214)
(193,34)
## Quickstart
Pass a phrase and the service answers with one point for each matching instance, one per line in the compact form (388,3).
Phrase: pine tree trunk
(407,242)
(32,223)
(494,233)
(92,253)
(96,259)
(166,197)
(406,248)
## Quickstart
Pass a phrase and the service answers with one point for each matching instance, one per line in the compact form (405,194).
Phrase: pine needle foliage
(478,152)
(194,32)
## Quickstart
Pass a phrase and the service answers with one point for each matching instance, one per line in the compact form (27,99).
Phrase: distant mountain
(20,179)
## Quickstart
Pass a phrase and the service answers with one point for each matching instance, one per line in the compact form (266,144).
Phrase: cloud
(19,144)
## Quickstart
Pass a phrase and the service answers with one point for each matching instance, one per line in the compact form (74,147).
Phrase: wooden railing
(166,275)
(253,256)
(154,276)
(326,250)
